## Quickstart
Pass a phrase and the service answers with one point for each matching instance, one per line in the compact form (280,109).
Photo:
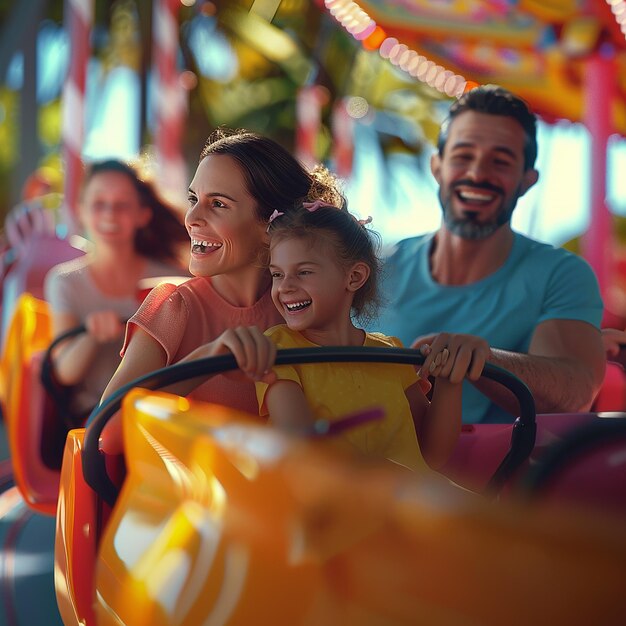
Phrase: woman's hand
(453,356)
(254,352)
(104,326)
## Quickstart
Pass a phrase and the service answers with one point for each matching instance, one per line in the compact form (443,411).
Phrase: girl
(134,236)
(324,271)
(240,179)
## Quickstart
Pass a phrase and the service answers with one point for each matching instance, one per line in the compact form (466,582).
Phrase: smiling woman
(223,226)
(240,180)
(134,236)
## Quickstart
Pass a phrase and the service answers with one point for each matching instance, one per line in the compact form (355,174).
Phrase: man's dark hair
(495,100)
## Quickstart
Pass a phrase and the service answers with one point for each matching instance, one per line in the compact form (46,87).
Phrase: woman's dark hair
(162,237)
(495,100)
(351,241)
(274,178)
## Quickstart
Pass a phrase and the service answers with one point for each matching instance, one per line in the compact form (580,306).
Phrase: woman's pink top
(182,318)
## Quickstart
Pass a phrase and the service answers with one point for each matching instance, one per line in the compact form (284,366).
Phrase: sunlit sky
(403,197)
(398,191)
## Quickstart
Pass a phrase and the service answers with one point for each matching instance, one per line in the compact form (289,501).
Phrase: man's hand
(453,356)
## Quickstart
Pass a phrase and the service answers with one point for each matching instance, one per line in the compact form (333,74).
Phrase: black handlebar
(52,387)
(94,468)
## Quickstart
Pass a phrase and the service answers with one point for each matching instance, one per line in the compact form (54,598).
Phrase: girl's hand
(453,356)
(104,326)
(254,352)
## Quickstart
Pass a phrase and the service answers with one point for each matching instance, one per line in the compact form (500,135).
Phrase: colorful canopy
(544,51)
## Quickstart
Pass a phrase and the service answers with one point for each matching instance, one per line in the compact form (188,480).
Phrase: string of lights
(364,29)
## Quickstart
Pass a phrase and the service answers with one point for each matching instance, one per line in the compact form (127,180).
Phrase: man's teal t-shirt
(538,282)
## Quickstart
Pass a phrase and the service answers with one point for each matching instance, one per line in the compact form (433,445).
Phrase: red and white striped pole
(78,23)
(171,103)
(343,138)
(309,103)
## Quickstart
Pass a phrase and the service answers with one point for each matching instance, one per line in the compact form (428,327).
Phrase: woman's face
(226,235)
(110,210)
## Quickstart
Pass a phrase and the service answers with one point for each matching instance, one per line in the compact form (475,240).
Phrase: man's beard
(467,227)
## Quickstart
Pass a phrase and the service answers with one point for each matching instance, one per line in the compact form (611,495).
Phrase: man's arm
(564,368)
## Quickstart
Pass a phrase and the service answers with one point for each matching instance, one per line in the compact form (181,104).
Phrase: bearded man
(537,306)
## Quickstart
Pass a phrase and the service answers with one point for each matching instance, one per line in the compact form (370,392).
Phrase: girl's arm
(287,407)
(438,426)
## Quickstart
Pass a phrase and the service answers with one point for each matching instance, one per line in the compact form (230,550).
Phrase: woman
(134,236)
(240,180)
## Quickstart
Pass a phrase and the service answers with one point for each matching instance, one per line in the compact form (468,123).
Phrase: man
(537,307)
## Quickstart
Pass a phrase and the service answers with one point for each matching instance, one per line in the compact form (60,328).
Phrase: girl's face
(226,235)
(111,210)
(310,288)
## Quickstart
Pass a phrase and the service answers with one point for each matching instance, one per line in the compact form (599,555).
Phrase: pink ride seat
(586,467)
(40,253)
(479,451)
(597,477)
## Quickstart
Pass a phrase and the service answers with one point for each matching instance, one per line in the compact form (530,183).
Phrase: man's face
(481,173)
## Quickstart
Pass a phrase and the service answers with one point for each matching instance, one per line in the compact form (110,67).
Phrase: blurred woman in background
(135,235)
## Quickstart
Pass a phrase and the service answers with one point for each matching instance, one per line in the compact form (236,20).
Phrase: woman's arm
(144,354)
(255,355)
(73,357)
(64,293)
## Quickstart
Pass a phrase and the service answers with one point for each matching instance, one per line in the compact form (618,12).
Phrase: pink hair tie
(365,222)
(273,216)
(313,206)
